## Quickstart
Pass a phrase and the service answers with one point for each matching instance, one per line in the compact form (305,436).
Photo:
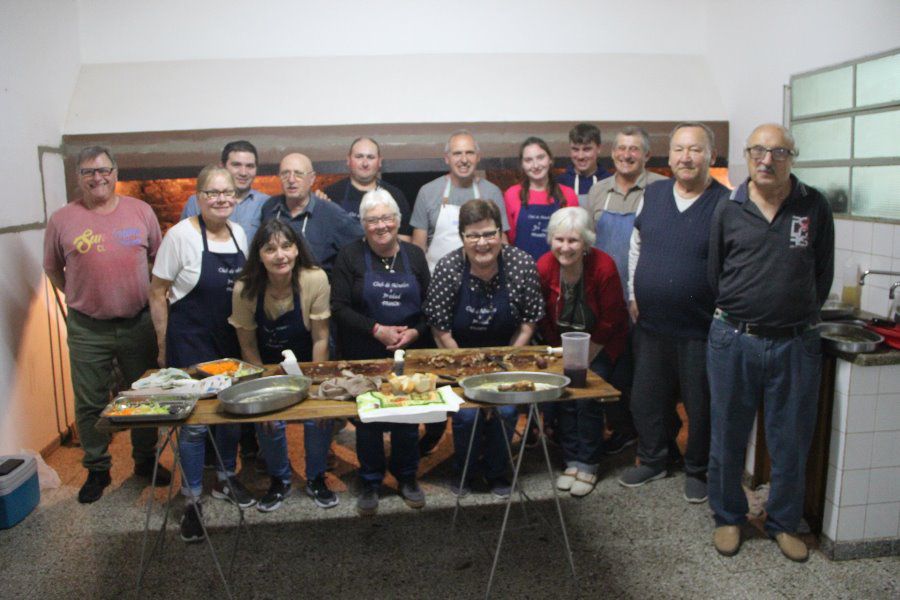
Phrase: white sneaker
(564,482)
(584,484)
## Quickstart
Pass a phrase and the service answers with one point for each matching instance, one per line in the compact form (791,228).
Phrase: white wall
(754,48)
(39,46)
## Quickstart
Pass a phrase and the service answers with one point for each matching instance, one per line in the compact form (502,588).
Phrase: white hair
(572,218)
(374,198)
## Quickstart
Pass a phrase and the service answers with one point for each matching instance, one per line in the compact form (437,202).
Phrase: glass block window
(846,121)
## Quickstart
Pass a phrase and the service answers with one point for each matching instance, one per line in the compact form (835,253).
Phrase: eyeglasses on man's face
(88,173)
(779,154)
(297,174)
(474,236)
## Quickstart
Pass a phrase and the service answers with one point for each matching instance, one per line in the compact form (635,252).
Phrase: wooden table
(208,412)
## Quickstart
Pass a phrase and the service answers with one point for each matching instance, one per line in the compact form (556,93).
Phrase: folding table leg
(562,523)
(462,479)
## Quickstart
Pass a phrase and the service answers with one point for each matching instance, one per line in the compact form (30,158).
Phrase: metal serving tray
(471,387)
(180,407)
(264,395)
(252,371)
(849,338)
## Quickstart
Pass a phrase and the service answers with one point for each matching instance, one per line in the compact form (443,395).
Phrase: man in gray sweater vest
(672,305)
(771,263)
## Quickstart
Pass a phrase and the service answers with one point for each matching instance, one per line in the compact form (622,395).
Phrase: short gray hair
(788,136)
(460,133)
(572,218)
(375,198)
(709,132)
(634,131)
(92,152)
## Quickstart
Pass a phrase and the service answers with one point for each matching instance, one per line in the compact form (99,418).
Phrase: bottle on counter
(850,293)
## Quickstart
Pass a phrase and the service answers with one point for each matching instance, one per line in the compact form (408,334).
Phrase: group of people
(688,290)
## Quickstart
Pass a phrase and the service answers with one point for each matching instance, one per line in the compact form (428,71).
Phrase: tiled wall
(862,497)
(871,246)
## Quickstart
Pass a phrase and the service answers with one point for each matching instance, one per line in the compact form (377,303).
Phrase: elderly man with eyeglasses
(771,264)
(324,226)
(98,249)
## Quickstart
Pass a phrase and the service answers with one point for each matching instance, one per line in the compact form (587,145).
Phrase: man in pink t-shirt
(98,250)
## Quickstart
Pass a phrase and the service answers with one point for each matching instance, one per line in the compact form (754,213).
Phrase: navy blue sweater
(670,282)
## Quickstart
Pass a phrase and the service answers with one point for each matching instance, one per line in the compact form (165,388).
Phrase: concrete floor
(627,543)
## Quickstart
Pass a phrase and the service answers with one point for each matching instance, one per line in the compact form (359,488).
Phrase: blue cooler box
(19,490)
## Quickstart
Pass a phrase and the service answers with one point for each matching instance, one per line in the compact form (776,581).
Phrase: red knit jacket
(603,294)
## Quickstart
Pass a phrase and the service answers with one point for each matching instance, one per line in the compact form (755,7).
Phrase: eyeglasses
(386,219)
(779,154)
(217,193)
(104,171)
(297,174)
(484,235)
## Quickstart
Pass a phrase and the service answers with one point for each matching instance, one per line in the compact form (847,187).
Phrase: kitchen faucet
(862,278)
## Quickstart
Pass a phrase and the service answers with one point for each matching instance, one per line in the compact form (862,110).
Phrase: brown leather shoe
(792,547)
(727,539)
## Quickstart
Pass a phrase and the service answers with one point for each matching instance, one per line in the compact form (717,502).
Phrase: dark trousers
(664,367)
(784,375)
(370,451)
(618,414)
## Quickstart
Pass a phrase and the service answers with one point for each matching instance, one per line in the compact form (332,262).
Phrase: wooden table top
(207,412)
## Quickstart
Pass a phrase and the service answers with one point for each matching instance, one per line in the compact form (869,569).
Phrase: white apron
(446,230)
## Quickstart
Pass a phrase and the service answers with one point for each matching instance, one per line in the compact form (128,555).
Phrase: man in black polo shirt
(771,262)
(364,162)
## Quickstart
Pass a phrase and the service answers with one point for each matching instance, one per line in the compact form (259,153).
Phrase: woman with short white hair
(582,291)
(378,286)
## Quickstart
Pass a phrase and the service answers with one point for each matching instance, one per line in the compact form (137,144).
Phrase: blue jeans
(192,448)
(784,375)
(495,461)
(370,451)
(316,442)
(273,445)
(581,425)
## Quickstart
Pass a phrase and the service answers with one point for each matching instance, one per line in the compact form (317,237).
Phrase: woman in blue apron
(194,274)
(530,203)
(484,294)
(281,302)
(379,286)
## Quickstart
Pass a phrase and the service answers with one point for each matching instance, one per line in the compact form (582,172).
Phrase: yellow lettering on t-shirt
(84,242)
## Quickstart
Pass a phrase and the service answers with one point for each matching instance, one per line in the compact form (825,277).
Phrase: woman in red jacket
(582,292)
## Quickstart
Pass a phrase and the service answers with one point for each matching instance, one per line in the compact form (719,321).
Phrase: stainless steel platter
(472,387)
(844,337)
(834,309)
(177,408)
(264,395)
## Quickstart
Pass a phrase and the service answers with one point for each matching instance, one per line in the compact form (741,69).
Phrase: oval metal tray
(470,386)
(264,395)
(831,333)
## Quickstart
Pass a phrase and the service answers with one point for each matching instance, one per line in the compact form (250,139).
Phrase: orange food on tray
(225,367)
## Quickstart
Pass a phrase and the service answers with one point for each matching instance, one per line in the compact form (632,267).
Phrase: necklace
(389,262)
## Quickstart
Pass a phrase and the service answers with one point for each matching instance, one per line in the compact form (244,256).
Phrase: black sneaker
(618,441)
(93,487)
(460,491)
(278,491)
(234,491)
(319,492)
(191,528)
(412,494)
(144,469)
(367,502)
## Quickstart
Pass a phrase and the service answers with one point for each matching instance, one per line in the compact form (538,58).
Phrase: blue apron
(531,229)
(198,328)
(481,321)
(350,206)
(391,298)
(614,237)
(287,332)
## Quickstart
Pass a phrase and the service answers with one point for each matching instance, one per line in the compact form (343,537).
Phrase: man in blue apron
(584,172)
(613,203)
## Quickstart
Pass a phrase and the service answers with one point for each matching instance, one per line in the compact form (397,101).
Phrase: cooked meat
(517,386)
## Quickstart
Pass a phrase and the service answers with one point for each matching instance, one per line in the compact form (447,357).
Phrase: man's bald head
(297,176)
